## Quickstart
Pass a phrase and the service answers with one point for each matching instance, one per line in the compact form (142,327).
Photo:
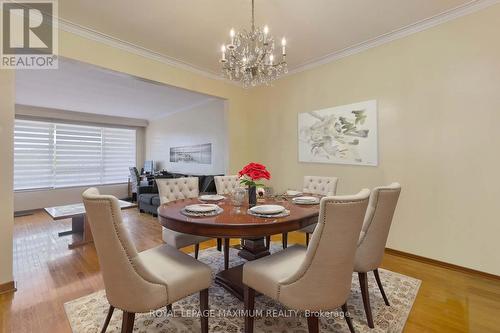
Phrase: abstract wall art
(344,134)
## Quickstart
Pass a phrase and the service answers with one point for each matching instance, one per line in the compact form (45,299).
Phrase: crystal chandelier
(250,59)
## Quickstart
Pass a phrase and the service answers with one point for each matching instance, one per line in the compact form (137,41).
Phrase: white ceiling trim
(97,36)
(454,13)
(428,23)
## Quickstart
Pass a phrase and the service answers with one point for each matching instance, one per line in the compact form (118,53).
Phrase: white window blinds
(53,155)
(33,154)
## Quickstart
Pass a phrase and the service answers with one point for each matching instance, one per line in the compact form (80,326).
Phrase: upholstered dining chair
(372,240)
(225,185)
(170,189)
(316,278)
(140,282)
(326,186)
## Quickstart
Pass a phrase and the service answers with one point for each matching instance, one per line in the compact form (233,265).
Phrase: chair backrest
(320,185)
(323,279)
(129,285)
(226,184)
(378,220)
(177,188)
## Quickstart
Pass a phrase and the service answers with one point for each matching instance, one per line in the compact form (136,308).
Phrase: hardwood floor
(48,275)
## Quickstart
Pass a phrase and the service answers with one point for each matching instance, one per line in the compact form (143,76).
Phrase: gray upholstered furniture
(315,185)
(140,282)
(176,189)
(372,240)
(316,278)
(148,198)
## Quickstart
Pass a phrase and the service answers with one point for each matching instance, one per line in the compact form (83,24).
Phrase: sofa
(148,199)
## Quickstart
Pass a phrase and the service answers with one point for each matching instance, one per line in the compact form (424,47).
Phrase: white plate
(311,199)
(306,200)
(201,208)
(212,197)
(293,193)
(267,209)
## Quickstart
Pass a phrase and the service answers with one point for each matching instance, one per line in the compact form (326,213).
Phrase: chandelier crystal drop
(250,57)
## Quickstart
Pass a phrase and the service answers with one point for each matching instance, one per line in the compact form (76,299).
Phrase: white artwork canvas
(344,134)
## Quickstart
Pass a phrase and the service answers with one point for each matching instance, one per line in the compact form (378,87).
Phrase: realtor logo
(29,35)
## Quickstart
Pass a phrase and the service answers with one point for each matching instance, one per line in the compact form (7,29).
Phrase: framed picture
(197,154)
(344,134)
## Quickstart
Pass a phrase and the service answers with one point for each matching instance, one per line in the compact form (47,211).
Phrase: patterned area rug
(87,313)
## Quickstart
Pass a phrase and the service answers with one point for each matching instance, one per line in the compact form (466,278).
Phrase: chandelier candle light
(249,57)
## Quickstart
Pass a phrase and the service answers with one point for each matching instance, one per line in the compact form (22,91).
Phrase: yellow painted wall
(438,95)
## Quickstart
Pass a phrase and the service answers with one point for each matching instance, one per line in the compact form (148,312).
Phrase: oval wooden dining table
(235,222)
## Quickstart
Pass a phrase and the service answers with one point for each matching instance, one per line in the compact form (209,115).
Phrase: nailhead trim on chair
(108,202)
(373,215)
(328,202)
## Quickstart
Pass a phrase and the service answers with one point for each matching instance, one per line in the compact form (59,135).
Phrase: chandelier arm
(253,16)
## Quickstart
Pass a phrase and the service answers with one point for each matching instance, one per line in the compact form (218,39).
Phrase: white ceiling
(192,31)
(76,86)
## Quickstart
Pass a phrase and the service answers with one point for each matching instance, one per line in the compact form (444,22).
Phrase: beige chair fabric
(319,277)
(227,184)
(138,282)
(319,185)
(176,189)
(171,189)
(376,226)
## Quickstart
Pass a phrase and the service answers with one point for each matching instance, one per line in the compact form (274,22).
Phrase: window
(54,155)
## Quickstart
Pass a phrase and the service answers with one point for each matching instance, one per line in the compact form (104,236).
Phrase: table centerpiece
(249,176)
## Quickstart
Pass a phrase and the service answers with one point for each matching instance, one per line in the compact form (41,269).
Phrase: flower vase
(252,196)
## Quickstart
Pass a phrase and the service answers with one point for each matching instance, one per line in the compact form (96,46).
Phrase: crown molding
(100,37)
(463,10)
(468,8)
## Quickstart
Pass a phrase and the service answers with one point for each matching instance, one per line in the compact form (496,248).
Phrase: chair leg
(226,253)
(379,283)
(348,318)
(307,239)
(249,296)
(108,318)
(128,322)
(219,244)
(363,282)
(268,242)
(313,324)
(284,239)
(204,310)
(196,250)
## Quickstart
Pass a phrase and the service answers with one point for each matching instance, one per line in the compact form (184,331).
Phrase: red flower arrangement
(253,172)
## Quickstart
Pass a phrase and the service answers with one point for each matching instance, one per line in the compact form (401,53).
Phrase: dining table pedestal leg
(253,248)
(232,279)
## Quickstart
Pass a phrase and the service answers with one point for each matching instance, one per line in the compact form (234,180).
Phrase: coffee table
(80,228)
